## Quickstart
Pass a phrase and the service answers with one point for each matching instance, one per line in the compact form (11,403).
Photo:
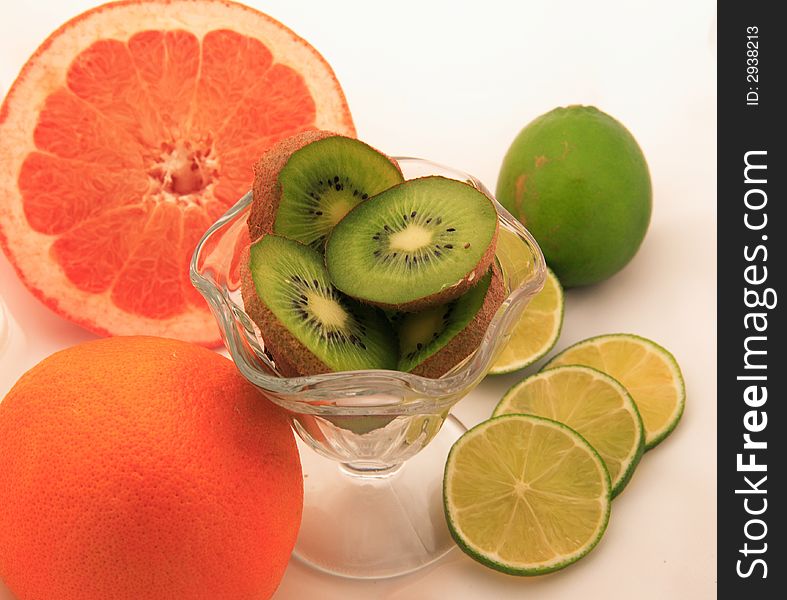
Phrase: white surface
(455,82)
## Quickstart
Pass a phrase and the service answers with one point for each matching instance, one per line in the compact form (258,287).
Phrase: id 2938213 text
(753,65)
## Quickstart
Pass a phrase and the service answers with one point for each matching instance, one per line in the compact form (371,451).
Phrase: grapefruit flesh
(130,130)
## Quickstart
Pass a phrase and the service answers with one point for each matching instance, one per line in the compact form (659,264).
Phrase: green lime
(649,373)
(594,405)
(537,330)
(576,178)
(525,495)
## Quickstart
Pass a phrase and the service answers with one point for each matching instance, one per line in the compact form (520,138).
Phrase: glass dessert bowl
(366,513)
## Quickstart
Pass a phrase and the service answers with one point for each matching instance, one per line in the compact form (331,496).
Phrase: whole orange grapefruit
(144,468)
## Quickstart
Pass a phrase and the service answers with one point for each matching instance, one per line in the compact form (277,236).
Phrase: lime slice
(649,373)
(525,495)
(594,405)
(537,330)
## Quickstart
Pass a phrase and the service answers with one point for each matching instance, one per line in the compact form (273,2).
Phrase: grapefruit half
(129,131)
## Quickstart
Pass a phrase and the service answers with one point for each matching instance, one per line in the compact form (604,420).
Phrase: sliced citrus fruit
(130,130)
(525,495)
(649,373)
(537,330)
(591,403)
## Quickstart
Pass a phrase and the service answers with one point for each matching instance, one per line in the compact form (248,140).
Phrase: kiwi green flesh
(412,241)
(423,334)
(291,281)
(323,181)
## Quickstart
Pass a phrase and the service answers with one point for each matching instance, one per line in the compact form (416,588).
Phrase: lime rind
(652,438)
(548,345)
(559,561)
(579,181)
(629,464)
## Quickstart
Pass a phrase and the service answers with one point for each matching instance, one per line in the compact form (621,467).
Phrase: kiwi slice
(306,183)
(307,325)
(433,341)
(418,244)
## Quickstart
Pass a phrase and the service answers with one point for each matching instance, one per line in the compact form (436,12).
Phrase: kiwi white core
(411,238)
(336,209)
(327,311)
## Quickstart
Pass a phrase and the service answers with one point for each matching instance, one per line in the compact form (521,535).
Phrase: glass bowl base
(376,523)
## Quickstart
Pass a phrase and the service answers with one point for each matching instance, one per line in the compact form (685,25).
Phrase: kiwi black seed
(306,324)
(305,184)
(421,243)
(433,341)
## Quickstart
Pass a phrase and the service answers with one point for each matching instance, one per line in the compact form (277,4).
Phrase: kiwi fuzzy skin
(266,191)
(292,358)
(469,339)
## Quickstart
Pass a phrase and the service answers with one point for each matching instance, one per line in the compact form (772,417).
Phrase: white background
(455,82)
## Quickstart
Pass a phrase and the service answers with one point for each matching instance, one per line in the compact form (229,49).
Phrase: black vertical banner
(752,260)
